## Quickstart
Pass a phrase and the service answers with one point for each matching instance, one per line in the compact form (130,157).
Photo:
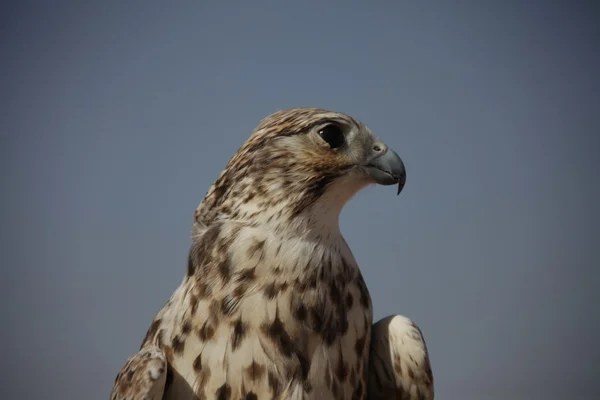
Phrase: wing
(143,376)
(399,363)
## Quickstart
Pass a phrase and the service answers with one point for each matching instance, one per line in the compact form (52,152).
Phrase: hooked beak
(386,167)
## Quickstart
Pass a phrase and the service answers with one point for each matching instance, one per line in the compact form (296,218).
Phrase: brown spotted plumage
(273,304)
(143,376)
(399,365)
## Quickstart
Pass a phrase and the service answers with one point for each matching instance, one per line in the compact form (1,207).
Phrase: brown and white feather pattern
(143,376)
(399,366)
(273,304)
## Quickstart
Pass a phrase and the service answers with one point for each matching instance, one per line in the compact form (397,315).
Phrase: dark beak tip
(401,183)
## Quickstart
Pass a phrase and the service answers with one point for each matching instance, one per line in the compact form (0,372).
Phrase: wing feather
(142,377)
(399,362)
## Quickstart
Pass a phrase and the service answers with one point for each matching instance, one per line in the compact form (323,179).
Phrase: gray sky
(117,118)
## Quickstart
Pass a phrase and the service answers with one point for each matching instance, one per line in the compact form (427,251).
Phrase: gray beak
(386,168)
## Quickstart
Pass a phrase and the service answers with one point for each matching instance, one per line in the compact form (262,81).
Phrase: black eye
(333,135)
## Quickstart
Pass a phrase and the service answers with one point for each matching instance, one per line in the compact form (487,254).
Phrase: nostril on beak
(377,148)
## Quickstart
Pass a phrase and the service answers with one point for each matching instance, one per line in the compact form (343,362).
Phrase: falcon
(273,304)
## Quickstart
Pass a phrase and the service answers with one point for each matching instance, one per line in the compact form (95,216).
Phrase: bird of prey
(273,304)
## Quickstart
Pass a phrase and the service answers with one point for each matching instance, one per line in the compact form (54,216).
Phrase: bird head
(300,164)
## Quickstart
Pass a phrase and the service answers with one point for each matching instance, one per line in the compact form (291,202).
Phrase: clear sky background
(117,116)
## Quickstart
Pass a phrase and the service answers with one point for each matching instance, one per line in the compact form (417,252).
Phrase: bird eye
(333,135)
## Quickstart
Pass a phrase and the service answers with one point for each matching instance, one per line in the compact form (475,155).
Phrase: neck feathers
(304,208)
